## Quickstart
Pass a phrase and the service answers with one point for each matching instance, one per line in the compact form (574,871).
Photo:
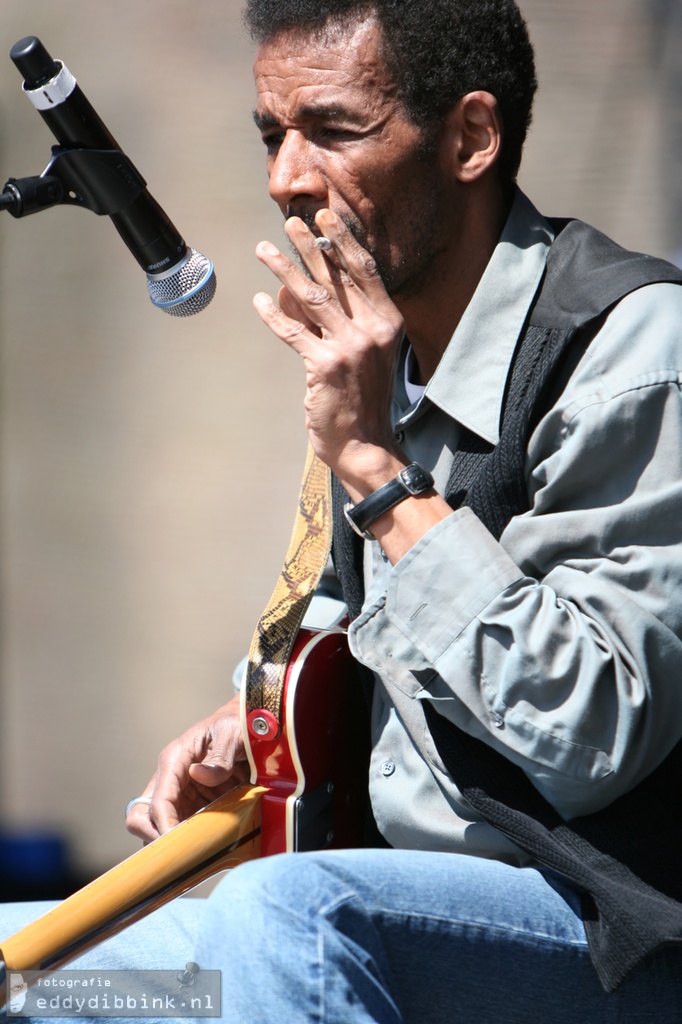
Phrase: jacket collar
(469,383)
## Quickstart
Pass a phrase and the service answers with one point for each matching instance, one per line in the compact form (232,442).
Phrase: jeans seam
(488,927)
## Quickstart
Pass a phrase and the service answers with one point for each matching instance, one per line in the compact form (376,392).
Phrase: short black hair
(436,51)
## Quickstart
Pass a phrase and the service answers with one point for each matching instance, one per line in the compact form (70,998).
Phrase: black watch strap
(411,480)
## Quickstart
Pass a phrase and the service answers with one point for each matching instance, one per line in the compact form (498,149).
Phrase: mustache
(307,216)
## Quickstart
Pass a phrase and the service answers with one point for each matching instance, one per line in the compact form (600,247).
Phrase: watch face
(416,478)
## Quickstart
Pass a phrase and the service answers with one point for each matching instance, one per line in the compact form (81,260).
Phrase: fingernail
(325,219)
(266,248)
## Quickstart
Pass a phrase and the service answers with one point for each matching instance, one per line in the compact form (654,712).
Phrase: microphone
(181,281)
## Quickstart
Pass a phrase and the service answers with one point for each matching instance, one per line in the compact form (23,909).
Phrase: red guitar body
(315,768)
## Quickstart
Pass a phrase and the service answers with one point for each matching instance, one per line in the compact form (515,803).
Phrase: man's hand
(204,763)
(348,332)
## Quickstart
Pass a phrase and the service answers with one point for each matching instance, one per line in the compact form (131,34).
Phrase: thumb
(212,771)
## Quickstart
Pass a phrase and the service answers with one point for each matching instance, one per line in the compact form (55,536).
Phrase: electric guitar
(308,792)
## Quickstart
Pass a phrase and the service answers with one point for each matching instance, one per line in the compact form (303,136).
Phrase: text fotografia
(187,992)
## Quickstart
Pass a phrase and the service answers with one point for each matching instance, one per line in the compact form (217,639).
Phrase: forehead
(296,71)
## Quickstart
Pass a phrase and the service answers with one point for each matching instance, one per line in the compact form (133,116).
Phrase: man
(523,625)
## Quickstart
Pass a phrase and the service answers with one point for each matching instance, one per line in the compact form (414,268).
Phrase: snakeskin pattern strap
(305,560)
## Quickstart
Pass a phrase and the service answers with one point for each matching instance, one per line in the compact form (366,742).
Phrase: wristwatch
(411,480)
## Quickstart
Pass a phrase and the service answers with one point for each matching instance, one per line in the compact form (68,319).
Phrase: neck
(433,311)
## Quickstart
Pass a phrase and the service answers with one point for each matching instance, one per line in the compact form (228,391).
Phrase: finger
(143,828)
(209,774)
(322,261)
(293,309)
(354,261)
(175,796)
(290,330)
(319,260)
(139,819)
(315,299)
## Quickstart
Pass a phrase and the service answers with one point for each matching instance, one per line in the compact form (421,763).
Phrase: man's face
(337,136)
(17,992)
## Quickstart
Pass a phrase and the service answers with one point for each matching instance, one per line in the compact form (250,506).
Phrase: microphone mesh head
(185,290)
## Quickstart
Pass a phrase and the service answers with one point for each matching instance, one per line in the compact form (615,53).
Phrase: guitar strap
(305,561)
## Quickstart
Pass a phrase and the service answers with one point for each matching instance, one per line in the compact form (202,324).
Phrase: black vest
(626,860)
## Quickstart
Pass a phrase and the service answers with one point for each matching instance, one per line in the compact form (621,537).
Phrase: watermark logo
(191,992)
(17,992)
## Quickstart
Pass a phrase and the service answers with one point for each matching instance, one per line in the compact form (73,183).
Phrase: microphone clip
(101,180)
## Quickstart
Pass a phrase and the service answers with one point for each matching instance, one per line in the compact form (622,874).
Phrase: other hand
(204,763)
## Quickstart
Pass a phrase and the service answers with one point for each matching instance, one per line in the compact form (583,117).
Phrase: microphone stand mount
(101,180)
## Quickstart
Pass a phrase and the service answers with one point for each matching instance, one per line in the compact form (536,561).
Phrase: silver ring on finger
(137,800)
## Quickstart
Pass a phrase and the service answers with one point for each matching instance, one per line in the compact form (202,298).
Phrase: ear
(476,135)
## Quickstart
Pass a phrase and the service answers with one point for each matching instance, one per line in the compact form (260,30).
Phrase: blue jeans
(391,936)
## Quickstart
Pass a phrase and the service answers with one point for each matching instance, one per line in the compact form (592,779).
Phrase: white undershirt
(412,390)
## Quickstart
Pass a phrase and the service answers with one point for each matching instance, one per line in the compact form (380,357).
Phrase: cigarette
(323,243)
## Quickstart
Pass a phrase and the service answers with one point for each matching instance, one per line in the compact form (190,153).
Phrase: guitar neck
(308,794)
(220,836)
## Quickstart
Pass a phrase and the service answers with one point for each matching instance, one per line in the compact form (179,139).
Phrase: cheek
(366,195)
(349,182)
(390,205)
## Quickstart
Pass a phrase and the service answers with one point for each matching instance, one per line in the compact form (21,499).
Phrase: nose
(295,171)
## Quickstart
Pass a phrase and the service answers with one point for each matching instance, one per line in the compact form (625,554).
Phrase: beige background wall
(149,466)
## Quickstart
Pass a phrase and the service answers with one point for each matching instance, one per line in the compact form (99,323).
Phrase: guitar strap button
(262,724)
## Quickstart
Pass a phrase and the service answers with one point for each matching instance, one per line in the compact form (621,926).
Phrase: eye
(330,134)
(271,139)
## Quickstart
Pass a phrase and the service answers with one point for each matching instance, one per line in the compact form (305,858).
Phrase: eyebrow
(312,112)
